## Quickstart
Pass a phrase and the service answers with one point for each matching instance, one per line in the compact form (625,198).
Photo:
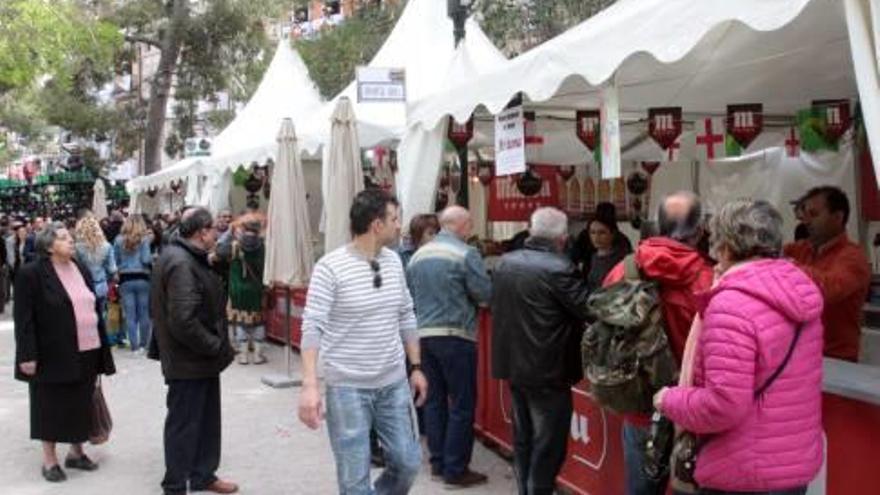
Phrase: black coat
(539,305)
(187,306)
(45,326)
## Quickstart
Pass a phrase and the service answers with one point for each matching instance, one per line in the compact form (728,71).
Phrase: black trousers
(192,434)
(541,425)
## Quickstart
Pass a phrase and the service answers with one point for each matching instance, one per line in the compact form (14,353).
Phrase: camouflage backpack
(626,353)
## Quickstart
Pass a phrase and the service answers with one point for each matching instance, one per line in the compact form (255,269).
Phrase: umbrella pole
(284,380)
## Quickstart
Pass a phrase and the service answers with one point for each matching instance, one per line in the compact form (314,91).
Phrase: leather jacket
(187,306)
(539,306)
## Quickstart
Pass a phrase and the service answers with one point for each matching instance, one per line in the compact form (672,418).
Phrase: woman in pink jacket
(761,310)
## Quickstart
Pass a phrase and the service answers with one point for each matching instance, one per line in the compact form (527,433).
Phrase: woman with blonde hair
(133,255)
(96,255)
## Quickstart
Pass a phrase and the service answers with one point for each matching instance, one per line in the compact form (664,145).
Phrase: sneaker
(82,463)
(466,479)
(54,474)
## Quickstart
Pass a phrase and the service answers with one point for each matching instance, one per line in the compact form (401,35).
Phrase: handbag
(102,423)
(684,452)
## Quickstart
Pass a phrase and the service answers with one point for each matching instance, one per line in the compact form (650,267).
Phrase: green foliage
(335,54)
(516,26)
(41,38)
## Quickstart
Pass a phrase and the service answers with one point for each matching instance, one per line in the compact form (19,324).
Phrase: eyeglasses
(377,277)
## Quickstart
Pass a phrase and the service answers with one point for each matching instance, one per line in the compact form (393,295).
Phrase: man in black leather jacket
(538,309)
(187,310)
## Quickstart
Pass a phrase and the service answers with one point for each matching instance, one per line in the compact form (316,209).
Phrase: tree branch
(132,38)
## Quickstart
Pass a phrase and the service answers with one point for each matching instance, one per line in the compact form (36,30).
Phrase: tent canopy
(286,91)
(700,56)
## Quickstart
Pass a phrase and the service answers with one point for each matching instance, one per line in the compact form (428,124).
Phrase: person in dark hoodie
(245,253)
(672,260)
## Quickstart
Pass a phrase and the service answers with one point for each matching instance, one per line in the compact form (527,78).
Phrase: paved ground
(265,448)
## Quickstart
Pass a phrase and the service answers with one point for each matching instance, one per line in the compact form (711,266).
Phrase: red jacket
(841,270)
(682,273)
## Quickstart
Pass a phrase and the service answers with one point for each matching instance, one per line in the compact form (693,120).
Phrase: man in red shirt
(682,272)
(837,265)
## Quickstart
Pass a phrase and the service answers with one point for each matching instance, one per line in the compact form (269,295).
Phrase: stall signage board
(507,204)
(510,145)
(381,84)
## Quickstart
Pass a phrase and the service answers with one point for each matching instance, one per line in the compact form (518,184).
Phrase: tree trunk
(160,88)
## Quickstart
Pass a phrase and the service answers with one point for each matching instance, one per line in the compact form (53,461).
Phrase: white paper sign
(510,145)
(381,84)
(610,116)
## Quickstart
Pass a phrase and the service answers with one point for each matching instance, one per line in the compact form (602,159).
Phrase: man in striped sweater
(359,317)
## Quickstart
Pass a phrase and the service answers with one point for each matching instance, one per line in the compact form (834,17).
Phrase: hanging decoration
(177,186)
(650,167)
(530,130)
(588,131)
(731,147)
(792,144)
(485,172)
(566,172)
(460,134)
(529,183)
(745,122)
(151,192)
(836,117)
(811,127)
(240,176)
(673,151)
(712,135)
(664,125)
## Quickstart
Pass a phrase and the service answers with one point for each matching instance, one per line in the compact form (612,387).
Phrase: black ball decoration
(637,183)
(529,183)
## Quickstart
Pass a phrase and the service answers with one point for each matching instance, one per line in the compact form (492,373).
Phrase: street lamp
(458,10)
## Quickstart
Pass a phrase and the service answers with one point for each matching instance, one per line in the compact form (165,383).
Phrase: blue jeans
(351,412)
(637,483)
(450,365)
(136,306)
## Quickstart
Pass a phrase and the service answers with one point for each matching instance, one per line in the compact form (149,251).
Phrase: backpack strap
(631,269)
(775,375)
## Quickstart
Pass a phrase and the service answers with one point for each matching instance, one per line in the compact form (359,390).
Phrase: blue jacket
(448,280)
(133,262)
(101,266)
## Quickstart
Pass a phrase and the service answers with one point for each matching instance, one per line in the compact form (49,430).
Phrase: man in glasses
(359,317)
(449,281)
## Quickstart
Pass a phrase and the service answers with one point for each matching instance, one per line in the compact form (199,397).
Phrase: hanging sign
(376,84)
(588,127)
(510,147)
(837,118)
(610,130)
(460,134)
(508,204)
(664,125)
(745,122)
(711,136)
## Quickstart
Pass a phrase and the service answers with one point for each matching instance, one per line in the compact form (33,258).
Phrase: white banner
(381,84)
(610,117)
(510,145)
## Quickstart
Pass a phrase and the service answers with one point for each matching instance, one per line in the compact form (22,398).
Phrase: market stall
(58,195)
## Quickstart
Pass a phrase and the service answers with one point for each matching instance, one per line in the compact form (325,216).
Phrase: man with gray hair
(539,305)
(672,260)
(448,280)
(187,310)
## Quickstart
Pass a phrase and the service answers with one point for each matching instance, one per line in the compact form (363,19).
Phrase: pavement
(265,447)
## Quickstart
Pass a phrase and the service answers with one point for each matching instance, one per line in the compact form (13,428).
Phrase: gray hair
(748,229)
(548,223)
(45,237)
(686,228)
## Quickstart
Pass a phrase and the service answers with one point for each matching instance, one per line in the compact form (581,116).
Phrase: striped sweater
(358,329)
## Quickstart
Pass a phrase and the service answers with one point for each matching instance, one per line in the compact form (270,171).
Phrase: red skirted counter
(851,415)
(275,315)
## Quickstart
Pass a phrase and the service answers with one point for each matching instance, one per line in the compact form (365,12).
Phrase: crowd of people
(745,318)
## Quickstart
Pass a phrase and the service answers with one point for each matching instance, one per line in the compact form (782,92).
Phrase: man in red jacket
(837,265)
(672,260)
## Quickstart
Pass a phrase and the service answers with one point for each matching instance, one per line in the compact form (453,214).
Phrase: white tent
(286,91)
(697,55)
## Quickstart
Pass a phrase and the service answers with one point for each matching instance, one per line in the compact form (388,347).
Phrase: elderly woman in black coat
(61,347)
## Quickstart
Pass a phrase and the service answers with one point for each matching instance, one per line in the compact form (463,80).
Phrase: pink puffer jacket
(773,442)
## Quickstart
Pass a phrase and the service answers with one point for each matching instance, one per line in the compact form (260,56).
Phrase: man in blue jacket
(448,281)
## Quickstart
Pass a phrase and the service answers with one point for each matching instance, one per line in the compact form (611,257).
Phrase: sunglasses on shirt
(377,277)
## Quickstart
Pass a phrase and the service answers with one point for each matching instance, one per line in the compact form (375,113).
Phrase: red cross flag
(792,144)
(710,137)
